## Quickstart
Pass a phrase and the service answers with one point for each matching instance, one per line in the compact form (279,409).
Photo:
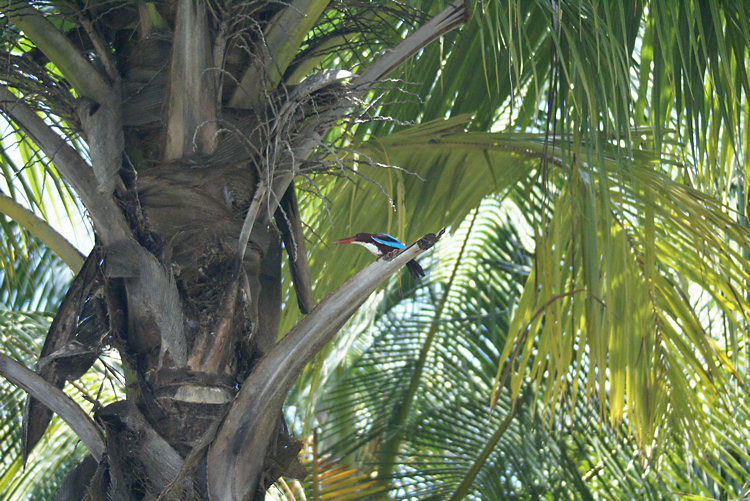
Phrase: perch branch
(234,464)
(57,401)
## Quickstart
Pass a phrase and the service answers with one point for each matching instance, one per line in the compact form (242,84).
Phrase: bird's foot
(391,255)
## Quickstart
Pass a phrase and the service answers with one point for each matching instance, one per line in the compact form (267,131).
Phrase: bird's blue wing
(388,240)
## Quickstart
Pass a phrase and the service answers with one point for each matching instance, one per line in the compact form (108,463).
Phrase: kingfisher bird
(381,244)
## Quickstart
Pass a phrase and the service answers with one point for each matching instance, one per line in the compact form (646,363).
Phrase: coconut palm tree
(202,137)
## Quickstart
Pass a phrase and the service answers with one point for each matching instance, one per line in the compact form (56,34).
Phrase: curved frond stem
(449,19)
(57,401)
(107,217)
(281,41)
(463,487)
(251,418)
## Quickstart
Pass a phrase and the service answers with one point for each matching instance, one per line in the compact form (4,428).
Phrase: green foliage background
(581,334)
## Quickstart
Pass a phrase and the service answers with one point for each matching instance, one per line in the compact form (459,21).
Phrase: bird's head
(358,238)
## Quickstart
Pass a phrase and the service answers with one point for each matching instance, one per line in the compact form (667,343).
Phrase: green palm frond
(21,337)
(626,226)
(451,441)
(643,257)
(32,277)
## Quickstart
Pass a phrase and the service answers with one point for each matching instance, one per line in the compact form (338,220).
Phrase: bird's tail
(415,270)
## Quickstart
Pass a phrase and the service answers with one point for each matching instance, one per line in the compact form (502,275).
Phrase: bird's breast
(370,247)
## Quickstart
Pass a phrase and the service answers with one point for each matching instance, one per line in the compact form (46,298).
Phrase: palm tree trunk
(187,171)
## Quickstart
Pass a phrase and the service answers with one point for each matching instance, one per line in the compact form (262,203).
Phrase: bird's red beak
(345,240)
